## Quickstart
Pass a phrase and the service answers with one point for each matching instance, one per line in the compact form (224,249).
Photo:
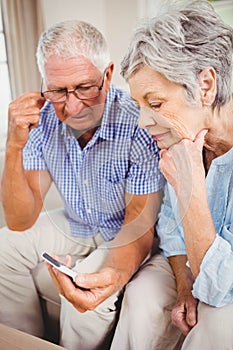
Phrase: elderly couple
(160,160)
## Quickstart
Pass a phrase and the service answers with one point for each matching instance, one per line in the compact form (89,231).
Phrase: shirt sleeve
(144,175)
(214,284)
(33,158)
(169,228)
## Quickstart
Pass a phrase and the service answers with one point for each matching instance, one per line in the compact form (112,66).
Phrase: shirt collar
(108,124)
(224,159)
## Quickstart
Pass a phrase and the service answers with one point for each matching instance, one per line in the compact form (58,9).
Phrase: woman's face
(165,111)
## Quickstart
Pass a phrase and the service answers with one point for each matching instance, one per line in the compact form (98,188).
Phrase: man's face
(68,74)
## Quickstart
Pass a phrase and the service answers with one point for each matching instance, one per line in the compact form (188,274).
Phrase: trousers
(144,320)
(145,323)
(19,289)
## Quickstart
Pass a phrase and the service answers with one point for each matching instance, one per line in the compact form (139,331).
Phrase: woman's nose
(146,118)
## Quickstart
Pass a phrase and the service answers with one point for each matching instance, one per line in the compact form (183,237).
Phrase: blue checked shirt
(214,284)
(92,181)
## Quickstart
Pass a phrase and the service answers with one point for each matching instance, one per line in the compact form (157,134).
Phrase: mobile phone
(58,265)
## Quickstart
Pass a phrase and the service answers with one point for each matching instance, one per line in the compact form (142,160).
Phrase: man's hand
(23,115)
(184,314)
(126,252)
(90,290)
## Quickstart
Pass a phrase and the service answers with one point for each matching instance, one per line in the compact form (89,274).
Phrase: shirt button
(88,211)
(85,182)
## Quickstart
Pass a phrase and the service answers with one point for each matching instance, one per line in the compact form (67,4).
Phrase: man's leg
(89,330)
(214,329)
(145,321)
(20,254)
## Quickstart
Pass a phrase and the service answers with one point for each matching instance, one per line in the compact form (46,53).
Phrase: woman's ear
(208,86)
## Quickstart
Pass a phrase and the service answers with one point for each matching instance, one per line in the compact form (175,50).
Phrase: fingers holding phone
(64,280)
(59,266)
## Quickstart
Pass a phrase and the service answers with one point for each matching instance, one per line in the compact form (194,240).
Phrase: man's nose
(73,104)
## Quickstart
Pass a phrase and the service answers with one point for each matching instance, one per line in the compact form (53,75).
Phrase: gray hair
(182,41)
(70,39)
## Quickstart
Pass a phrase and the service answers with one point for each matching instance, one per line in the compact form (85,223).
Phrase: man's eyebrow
(54,87)
(87,83)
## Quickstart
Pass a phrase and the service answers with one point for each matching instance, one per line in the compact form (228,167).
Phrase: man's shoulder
(119,101)
(48,118)
(124,98)
(48,125)
(48,110)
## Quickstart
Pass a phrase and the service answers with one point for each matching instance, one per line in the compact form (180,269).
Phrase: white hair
(70,39)
(181,41)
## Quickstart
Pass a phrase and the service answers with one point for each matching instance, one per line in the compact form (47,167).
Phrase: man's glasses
(80,92)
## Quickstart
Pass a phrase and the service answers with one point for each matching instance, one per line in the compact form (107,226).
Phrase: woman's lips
(159,136)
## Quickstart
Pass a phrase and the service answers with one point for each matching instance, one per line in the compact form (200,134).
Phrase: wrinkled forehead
(146,81)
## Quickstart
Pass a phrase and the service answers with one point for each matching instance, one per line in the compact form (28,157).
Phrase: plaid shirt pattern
(92,181)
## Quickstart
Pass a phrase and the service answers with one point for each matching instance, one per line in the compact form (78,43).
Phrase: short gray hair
(180,42)
(70,39)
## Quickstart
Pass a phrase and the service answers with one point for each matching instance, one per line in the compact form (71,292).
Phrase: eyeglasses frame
(72,91)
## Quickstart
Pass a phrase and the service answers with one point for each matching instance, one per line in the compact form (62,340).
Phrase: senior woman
(179,68)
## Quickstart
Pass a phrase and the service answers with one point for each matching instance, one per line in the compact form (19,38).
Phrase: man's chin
(76,124)
(83,124)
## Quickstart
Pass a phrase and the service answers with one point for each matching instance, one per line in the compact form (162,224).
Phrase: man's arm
(126,253)
(22,195)
(136,236)
(22,191)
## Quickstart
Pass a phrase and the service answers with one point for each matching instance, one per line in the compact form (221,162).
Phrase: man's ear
(108,75)
(208,86)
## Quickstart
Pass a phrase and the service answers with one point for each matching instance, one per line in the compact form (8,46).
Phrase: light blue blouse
(214,284)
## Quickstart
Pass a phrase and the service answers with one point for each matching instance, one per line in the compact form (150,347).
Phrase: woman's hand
(182,164)
(184,313)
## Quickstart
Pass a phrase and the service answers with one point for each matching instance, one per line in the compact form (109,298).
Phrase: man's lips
(80,116)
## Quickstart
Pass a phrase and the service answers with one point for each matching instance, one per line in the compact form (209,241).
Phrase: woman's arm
(183,168)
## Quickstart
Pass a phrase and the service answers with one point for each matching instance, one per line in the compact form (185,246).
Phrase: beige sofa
(11,339)
(50,309)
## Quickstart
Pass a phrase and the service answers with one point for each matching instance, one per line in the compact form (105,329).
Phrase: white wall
(88,10)
(114,18)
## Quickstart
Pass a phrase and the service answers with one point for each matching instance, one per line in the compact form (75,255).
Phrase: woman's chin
(162,145)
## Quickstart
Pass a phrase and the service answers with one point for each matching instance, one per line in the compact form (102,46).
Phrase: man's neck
(83,137)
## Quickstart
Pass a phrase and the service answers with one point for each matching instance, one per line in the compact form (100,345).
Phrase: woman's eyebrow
(153,94)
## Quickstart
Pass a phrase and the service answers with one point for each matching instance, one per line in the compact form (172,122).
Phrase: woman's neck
(219,138)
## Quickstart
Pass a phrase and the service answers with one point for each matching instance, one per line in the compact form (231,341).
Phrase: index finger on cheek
(161,152)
